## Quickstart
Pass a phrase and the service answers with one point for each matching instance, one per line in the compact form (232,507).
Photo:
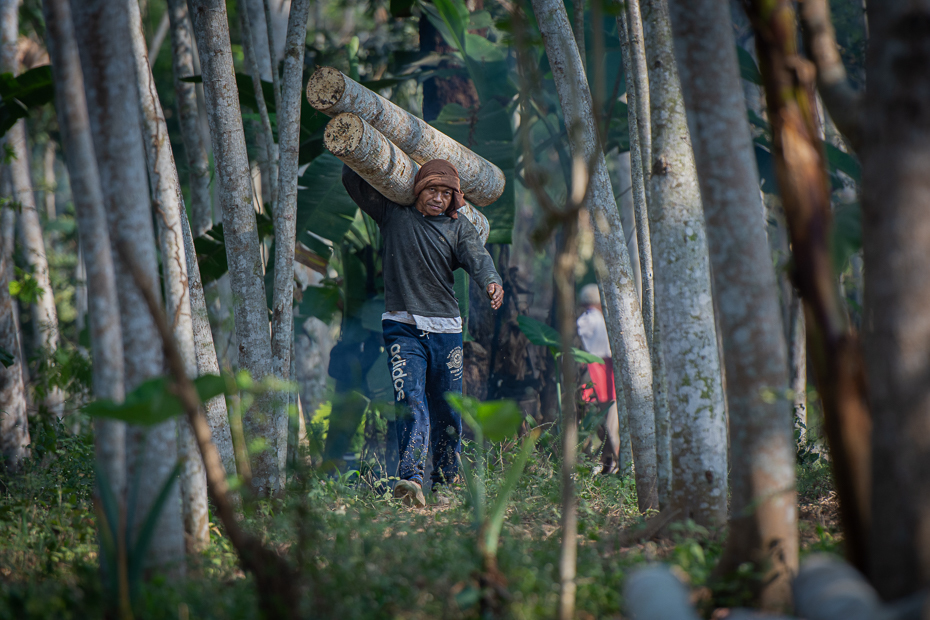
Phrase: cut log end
(325,88)
(343,134)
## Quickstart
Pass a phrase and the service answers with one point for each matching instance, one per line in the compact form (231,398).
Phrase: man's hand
(496,293)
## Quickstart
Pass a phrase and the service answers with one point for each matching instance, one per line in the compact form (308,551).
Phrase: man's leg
(407,362)
(444,374)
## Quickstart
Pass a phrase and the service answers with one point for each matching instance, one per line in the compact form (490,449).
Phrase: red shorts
(602,376)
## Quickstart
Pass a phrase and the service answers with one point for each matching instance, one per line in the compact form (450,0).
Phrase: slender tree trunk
(763,526)
(49,184)
(272,56)
(621,303)
(797,367)
(102,302)
(102,29)
(158,39)
(168,205)
(684,304)
(896,242)
(182,55)
(285,212)
(211,31)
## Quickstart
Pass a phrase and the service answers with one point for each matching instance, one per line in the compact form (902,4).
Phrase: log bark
(198,164)
(332,93)
(684,303)
(380,162)
(100,278)
(285,211)
(763,523)
(253,337)
(633,369)
(896,239)
(168,204)
(102,29)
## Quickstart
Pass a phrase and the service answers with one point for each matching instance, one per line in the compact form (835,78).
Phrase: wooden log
(333,93)
(380,162)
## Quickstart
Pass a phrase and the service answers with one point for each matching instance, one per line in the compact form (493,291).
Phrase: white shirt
(431,324)
(592,329)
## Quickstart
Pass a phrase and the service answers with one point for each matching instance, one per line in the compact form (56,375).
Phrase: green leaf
(152,403)
(29,90)
(847,234)
(323,206)
(137,555)
(320,301)
(6,358)
(844,162)
(211,248)
(583,357)
(499,508)
(748,70)
(539,333)
(499,419)
(480,49)
(479,20)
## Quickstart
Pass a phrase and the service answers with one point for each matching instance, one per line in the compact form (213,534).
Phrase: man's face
(434,200)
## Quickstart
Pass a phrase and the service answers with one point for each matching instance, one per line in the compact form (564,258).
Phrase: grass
(361,555)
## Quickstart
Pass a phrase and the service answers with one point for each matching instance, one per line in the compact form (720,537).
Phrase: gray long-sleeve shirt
(421,252)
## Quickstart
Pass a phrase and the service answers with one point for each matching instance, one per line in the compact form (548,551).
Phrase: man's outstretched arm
(364,195)
(479,265)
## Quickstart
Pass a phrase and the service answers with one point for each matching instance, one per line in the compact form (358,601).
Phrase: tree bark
(102,29)
(211,31)
(96,256)
(49,183)
(896,240)
(797,367)
(621,303)
(272,55)
(332,93)
(763,526)
(198,164)
(684,303)
(168,204)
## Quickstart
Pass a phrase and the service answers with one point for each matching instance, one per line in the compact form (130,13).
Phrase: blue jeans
(424,366)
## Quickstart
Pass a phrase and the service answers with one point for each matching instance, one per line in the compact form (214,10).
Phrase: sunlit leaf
(539,333)
(29,90)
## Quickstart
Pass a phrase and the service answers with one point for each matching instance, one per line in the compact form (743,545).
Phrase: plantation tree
(29,228)
(211,32)
(102,301)
(896,242)
(168,207)
(763,526)
(266,138)
(615,278)
(103,35)
(684,305)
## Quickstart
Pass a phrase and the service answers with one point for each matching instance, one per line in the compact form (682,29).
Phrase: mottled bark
(49,183)
(684,305)
(632,367)
(800,166)
(332,93)
(797,366)
(211,31)
(99,275)
(102,30)
(272,56)
(198,164)
(896,242)
(763,526)
(168,205)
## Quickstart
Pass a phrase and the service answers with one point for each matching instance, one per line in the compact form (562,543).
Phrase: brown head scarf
(440,172)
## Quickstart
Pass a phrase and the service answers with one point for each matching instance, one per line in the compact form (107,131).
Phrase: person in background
(592,329)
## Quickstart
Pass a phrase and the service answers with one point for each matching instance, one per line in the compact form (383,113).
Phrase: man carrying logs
(423,245)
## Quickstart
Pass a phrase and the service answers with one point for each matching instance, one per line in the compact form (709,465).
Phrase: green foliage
(25,287)
(543,335)
(154,401)
(28,91)
(6,358)
(324,209)
(748,69)
(211,248)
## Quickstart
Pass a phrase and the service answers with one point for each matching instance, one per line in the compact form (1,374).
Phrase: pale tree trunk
(182,55)
(630,29)
(168,205)
(285,212)
(29,228)
(896,242)
(49,184)
(633,369)
(797,366)
(272,54)
(211,31)
(684,303)
(763,528)
(158,39)
(255,13)
(270,169)
(102,29)
(102,302)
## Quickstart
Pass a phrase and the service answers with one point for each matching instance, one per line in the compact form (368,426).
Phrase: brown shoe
(410,493)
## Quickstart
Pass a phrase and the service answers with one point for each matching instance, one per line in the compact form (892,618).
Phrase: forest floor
(361,555)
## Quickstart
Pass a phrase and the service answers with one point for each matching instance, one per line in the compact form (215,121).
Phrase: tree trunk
(273,56)
(182,55)
(763,528)
(168,205)
(896,241)
(797,367)
(211,31)
(49,182)
(684,303)
(102,302)
(332,93)
(102,29)
(621,304)
(285,212)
